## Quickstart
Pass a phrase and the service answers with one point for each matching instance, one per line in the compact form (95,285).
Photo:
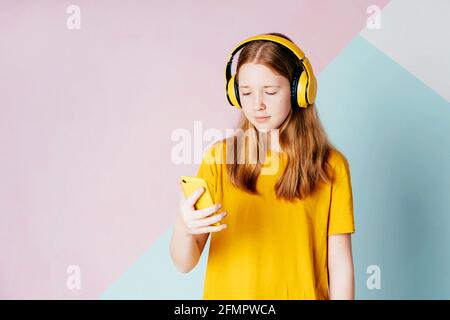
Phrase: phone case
(191,184)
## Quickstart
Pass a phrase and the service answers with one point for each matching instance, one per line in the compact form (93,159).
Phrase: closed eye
(269,93)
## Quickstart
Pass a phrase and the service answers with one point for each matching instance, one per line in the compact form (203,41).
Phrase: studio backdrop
(96,95)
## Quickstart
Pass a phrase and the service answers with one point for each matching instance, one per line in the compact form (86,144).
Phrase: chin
(263,127)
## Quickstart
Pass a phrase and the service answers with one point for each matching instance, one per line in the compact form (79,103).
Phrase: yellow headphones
(303,84)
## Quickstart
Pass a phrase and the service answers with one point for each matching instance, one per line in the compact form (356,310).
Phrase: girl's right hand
(198,221)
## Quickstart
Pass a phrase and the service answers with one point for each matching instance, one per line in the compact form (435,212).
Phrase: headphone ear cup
(294,88)
(312,90)
(311,83)
(236,92)
(302,85)
(233,93)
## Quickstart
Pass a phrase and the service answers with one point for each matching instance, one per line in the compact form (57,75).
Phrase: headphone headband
(280,40)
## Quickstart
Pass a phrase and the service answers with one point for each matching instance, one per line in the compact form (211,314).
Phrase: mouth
(262,119)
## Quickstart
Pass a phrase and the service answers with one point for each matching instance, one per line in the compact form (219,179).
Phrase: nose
(259,104)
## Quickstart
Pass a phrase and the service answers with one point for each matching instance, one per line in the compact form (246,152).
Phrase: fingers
(192,199)
(200,221)
(207,221)
(209,229)
(202,213)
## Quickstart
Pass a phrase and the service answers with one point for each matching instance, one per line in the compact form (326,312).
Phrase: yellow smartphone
(191,184)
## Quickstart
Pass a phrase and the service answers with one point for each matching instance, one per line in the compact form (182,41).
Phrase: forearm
(341,282)
(340,267)
(184,249)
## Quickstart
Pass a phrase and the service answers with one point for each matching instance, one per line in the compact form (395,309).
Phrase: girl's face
(265,96)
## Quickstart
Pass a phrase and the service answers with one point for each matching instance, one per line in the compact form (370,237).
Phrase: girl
(287,220)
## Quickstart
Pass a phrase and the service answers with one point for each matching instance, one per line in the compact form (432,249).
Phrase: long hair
(301,136)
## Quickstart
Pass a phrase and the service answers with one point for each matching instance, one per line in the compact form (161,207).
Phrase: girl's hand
(198,221)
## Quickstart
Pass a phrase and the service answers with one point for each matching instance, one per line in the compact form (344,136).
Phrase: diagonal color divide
(415,35)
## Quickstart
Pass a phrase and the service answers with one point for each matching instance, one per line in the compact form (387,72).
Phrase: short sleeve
(341,217)
(208,170)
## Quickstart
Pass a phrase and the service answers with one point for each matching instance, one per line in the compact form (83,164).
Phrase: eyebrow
(264,86)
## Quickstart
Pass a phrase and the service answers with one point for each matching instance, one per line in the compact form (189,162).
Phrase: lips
(262,119)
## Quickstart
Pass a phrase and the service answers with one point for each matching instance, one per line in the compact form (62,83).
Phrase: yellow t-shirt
(272,248)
